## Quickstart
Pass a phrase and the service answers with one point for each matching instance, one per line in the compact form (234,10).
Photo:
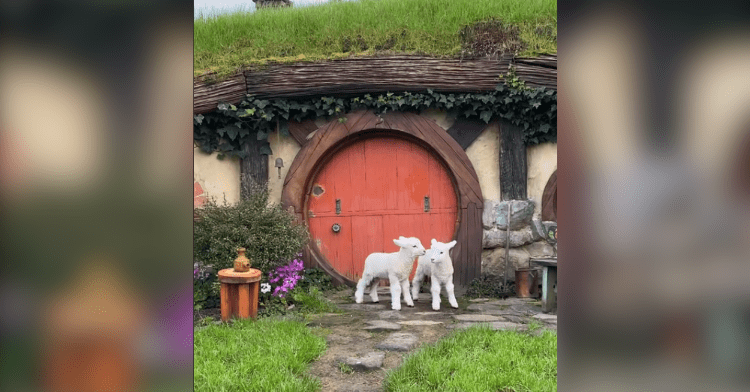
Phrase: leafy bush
(270,234)
(312,301)
(316,277)
(205,287)
(490,286)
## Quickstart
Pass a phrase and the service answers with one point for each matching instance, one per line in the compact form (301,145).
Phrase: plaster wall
(484,154)
(541,163)
(286,148)
(219,179)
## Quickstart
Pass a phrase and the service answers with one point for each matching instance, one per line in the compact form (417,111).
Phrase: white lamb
(396,267)
(436,264)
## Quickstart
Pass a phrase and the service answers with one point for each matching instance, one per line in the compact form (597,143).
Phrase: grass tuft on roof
(225,44)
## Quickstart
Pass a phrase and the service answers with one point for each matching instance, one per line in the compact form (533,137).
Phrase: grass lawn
(263,355)
(226,42)
(481,359)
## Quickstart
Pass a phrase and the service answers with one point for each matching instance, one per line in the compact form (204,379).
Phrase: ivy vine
(226,129)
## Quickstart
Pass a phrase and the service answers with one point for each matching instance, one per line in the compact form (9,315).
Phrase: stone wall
(526,237)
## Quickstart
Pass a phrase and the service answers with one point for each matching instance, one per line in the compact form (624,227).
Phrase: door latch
(426,204)
(338,206)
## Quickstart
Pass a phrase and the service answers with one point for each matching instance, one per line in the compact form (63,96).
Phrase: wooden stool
(549,282)
(239,293)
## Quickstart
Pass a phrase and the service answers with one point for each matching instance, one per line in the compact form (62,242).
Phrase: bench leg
(549,297)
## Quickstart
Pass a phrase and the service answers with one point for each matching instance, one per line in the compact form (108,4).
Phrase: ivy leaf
(231,131)
(545,128)
(485,116)
(266,149)
(198,119)
(232,107)
(261,103)
(284,128)
(261,135)
(244,132)
(248,112)
(223,106)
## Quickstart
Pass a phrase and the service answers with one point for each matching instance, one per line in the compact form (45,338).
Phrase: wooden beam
(512,162)
(300,130)
(207,95)
(360,75)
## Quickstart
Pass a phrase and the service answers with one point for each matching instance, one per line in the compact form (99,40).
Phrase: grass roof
(441,28)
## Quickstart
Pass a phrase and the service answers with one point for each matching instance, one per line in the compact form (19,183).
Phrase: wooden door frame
(329,138)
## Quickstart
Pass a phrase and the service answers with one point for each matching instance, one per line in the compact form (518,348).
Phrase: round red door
(373,191)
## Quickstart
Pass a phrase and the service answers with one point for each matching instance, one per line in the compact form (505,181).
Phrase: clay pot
(241,263)
(526,282)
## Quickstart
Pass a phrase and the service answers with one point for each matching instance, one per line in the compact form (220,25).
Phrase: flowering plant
(286,277)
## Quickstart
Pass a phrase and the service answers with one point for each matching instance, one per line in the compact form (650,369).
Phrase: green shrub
(312,301)
(271,235)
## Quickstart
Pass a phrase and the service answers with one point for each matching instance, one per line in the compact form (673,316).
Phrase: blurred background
(95,196)
(654,158)
(95,182)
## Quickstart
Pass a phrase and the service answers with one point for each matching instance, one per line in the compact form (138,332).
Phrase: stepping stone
(459,325)
(550,318)
(332,338)
(479,300)
(390,314)
(504,325)
(365,306)
(363,362)
(476,317)
(480,307)
(398,341)
(514,318)
(382,325)
(419,322)
(433,313)
(357,388)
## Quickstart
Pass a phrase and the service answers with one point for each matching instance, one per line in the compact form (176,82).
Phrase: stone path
(370,338)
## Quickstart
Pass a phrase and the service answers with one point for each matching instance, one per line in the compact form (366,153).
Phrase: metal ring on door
(336,227)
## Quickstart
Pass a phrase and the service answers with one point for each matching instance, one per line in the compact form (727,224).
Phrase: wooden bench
(549,283)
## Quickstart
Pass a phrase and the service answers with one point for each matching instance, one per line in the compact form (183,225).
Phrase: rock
(537,229)
(390,314)
(398,341)
(539,249)
(419,322)
(382,325)
(364,362)
(365,306)
(479,300)
(493,262)
(496,238)
(433,313)
(476,317)
(495,214)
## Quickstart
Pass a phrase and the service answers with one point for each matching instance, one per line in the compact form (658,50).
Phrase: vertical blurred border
(95,196)
(654,192)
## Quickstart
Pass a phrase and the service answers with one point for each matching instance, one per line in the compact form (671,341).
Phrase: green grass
(481,359)
(227,42)
(262,355)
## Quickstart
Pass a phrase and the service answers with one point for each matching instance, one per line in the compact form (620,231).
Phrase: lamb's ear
(400,243)
(433,242)
(401,237)
(451,244)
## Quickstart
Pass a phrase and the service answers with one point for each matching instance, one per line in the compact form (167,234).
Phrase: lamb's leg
(360,292)
(395,292)
(374,289)
(435,290)
(416,283)
(405,287)
(451,295)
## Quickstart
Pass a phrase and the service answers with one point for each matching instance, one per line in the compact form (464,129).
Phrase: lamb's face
(440,252)
(412,244)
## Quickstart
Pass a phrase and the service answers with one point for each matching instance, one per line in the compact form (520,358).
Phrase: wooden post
(253,168)
(512,162)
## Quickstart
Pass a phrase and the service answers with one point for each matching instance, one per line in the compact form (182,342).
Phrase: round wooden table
(239,293)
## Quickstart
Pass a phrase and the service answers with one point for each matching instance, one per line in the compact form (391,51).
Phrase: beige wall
(219,178)
(484,154)
(286,148)
(541,163)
